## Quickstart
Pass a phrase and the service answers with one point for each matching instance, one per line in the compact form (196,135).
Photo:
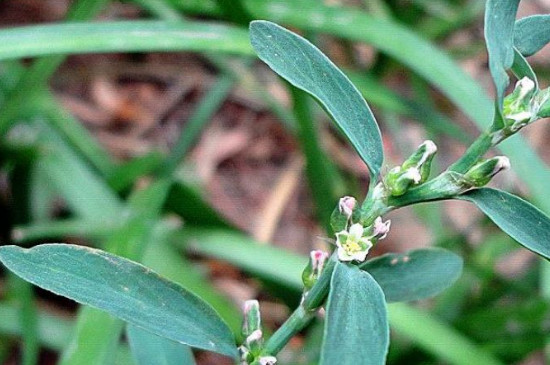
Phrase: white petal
(361,255)
(267,360)
(356,231)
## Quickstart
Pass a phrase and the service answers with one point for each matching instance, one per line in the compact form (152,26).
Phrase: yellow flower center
(352,246)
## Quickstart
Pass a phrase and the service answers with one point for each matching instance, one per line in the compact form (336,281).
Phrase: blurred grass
(95,190)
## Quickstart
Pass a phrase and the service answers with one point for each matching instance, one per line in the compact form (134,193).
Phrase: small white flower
(380,229)
(352,245)
(267,360)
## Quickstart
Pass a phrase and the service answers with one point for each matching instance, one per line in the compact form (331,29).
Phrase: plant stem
(472,155)
(297,320)
(303,314)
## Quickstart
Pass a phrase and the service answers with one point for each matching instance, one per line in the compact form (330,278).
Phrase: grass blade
(124,36)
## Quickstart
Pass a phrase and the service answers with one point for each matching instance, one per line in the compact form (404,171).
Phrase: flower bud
(398,181)
(314,268)
(341,216)
(254,341)
(481,173)
(518,106)
(422,160)
(414,171)
(267,360)
(380,229)
(251,321)
(346,205)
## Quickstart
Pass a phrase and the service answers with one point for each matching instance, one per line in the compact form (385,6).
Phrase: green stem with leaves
(445,186)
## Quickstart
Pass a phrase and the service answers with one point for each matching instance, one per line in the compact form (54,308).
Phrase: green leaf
(519,219)
(405,46)
(126,36)
(150,349)
(521,68)
(356,329)
(532,33)
(416,274)
(306,67)
(500,16)
(123,288)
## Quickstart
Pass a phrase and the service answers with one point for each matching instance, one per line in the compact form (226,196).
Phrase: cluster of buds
(525,105)
(414,171)
(354,243)
(481,173)
(253,336)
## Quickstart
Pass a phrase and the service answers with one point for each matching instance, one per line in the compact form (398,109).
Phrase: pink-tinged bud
(267,360)
(251,321)
(318,259)
(254,341)
(380,229)
(346,205)
(314,268)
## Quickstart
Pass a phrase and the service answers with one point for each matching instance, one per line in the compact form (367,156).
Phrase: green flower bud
(398,181)
(481,173)
(518,107)
(422,160)
(251,321)
(254,342)
(414,171)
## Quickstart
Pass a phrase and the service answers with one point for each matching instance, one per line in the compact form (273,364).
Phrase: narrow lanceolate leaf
(532,33)
(522,221)
(500,16)
(416,274)
(150,349)
(127,36)
(356,329)
(306,67)
(123,288)
(521,68)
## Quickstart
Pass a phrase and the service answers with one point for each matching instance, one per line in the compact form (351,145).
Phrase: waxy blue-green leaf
(500,16)
(416,274)
(123,288)
(521,68)
(356,329)
(532,33)
(519,219)
(150,349)
(306,67)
